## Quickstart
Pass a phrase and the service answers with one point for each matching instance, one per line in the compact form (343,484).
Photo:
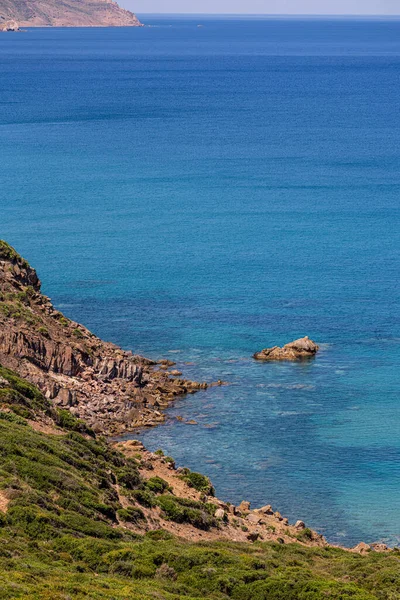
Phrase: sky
(313,7)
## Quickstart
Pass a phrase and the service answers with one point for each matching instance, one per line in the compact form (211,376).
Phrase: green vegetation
(198,481)
(131,515)
(62,538)
(7,252)
(180,510)
(16,309)
(157,485)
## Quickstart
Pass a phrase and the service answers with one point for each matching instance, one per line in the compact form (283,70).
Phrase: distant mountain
(66,13)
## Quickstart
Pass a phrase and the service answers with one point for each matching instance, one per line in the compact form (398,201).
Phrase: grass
(62,539)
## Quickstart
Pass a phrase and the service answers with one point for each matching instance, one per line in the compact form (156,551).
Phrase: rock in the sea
(299,349)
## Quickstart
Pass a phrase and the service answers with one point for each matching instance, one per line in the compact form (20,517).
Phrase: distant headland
(65,13)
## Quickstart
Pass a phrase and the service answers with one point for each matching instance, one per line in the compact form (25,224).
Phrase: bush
(198,481)
(166,572)
(24,392)
(195,514)
(66,420)
(12,418)
(145,498)
(157,485)
(305,535)
(129,477)
(131,515)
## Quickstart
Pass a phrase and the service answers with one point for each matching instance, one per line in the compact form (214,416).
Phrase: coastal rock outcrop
(297,350)
(113,390)
(9,26)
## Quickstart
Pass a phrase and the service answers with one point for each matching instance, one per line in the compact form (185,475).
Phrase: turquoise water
(202,193)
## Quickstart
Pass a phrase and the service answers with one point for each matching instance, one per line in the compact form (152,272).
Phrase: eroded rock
(297,350)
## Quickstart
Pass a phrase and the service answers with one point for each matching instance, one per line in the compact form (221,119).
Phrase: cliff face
(66,13)
(113,390)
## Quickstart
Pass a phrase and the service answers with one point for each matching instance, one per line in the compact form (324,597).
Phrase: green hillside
(64,533)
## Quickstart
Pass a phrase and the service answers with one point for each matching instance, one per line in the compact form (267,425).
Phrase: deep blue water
(203,192)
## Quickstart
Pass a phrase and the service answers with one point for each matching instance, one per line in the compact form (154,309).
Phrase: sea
(204,187)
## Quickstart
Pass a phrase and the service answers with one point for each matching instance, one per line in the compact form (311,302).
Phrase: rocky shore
(113,390)
(239,523)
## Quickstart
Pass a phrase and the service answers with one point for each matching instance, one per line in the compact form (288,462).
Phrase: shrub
(195,514)
(131,515)
(66,420)
(145,498)
(129,477)
(12,418)
(166,572)
(157,485)
(198,481)
(305,535)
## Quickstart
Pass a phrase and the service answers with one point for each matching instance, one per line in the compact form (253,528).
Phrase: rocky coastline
(113,392)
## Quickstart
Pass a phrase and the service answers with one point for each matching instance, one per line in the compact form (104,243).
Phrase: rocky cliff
(66,13)
(113,390)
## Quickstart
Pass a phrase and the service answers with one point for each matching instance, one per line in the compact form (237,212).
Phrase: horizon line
(273,15)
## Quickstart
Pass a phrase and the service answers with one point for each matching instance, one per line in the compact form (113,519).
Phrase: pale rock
(299,349)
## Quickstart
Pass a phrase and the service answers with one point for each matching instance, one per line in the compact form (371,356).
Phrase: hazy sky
(353,7)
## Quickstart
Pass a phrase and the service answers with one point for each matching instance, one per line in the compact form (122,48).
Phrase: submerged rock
(299,349)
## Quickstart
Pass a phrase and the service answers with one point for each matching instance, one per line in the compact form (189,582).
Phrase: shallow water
(201,193)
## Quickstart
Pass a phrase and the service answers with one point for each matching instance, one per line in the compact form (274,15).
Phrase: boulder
(253,518)
(300,525)
(379,547)
(220,513)
(297,350)
(265,510)
(244,506)
(362,548)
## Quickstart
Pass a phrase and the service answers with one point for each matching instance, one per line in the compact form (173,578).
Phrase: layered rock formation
(66,13)
(297,350)
(111,389)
